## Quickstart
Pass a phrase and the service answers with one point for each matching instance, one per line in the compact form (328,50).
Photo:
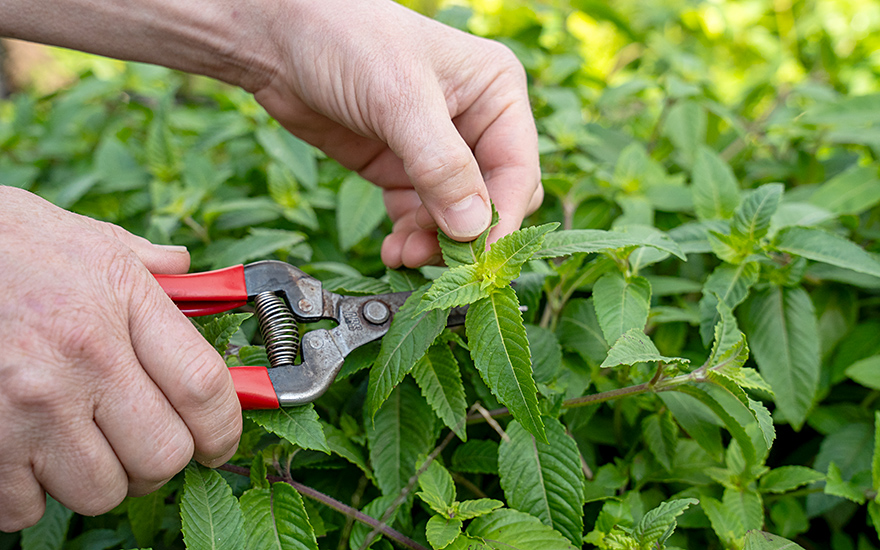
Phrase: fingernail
(172,248)
(468,217)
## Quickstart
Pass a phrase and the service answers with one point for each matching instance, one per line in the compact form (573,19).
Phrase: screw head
(376,312)
(316,343)
(305,305)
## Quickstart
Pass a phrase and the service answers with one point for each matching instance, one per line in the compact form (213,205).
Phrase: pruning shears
(282,296)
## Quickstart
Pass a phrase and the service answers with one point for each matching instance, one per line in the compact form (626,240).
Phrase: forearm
(223,39)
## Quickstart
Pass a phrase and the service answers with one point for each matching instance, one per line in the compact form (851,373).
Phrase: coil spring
(278,327)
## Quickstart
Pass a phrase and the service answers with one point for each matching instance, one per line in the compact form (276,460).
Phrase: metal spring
(278,327)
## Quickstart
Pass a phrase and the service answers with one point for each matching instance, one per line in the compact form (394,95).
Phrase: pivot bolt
(376,312)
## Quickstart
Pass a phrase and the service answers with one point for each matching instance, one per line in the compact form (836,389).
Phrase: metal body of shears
(282,296)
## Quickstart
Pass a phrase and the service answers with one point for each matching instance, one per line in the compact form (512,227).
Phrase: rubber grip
(207,292)
(254,388)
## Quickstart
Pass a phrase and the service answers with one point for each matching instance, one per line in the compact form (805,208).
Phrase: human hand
(106,390)
(438,118)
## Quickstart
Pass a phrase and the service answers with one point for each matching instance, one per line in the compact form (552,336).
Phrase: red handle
(208,292)
(254,388)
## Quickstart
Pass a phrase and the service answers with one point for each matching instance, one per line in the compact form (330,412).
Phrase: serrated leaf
(437,482)
(697,421)
(737,430)
(636,347)
(505,257)
(438,375)
(403,280)
(661,519)
(276,519)
(161,152)
(441,531)
(455,287)
(407,340)
(259,244)
(219,330)
(875,460)
(457,253)
(341,445)
(402,430)
(835,485)
(376,509)
(145,515)
(783,336)
(470,509)
(293,153)
(546,353)
(544,480)
(579,330)
(821,246)
(788,478)
(726,525)
(359,210)
(573,241)
(661,437)
(751,220)
(851,192)
(621,304)
(210,516)
(729,349)
(50,532)
(714,187)
(508,529)
(298,424)
(759,540)
(765,421)
(500,349)
(746,504)
(476,457)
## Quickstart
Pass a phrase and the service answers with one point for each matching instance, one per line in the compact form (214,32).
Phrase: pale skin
(106,390)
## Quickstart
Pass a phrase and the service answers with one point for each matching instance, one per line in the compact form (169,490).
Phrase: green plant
(688,360)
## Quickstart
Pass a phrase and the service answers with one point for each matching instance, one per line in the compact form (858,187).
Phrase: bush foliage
(697,362)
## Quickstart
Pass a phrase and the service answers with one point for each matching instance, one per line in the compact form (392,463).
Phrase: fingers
(157,258)
(30,502)
(190,373)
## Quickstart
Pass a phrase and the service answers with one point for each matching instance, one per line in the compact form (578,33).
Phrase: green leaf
(730,284)
(476,457)
(437,484)
(359,210)
(636,347)
(874,514)
(788,478)
(343,446)
(784,338)
(145,515)
(504,259)
(866,372)
(579,330)
(737,430)
(376,509)
(845,111)
(658,523)
(500,349)
(573,241)
(50,532)
(276,519)
(685,126)
(746,504)
(851,192)
(821,246)
(544,479)
(219,330)
(455,287)
(457,253)
(726,525)
(210,515)
(759,540)
(470,509)
(259,244)
(714,187)
(751,219)
(293,153)
(508,529)
(402,431)
(697,420)
(439,377)
(407,340)
(442,531)
(298,424)
(546,354)
(162,156)
(661,437)
(875,460)
(621,304)
(836,486)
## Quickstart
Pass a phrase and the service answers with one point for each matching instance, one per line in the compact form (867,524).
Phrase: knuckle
(30,390)
(165,462)
(207,378)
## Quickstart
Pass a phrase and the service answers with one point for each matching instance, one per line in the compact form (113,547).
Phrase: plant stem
(340,507)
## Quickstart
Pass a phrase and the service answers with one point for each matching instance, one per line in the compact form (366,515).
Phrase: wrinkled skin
(106,390)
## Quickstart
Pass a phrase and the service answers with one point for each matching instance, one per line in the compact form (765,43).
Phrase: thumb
(443,172)
(157,258)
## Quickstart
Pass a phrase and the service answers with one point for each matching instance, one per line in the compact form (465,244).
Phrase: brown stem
(340,507)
